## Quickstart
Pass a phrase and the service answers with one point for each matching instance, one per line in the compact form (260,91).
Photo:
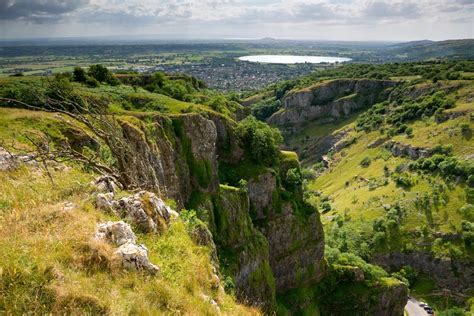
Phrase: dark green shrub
(293,179)
(265,108)
(470,180)
(365,162)
(468,233)
(443,149)
(260,140)
(79,75)
(92,82)
(467,211)
(326,206)
(403,179)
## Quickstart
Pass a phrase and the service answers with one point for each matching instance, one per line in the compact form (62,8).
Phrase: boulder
(135,257)
(407,150)
(132,256)
(146,211)
(117,233)
(377,142)
(105,201)
(7,161)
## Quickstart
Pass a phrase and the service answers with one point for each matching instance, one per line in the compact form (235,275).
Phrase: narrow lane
(413,308)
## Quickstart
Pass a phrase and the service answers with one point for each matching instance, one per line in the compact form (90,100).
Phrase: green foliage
(92,82)
(372,118)
(468,233)
(422,107)
(446,165)
(406,275)
(260,140)
(180,87)
(79,75)
(325,206)
(102,74)
(466,129)
(365,162)
(454,311)
(467,211)
(265,108)
(229,284)
(308,174)
(293,179)
(371,272)
(243,186)
(403,179)
(402,111)
(443,149)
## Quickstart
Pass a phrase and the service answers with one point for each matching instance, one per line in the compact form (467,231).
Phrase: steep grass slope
(399,192)
(51,264)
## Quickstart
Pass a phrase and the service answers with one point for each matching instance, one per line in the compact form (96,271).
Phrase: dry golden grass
(50,264)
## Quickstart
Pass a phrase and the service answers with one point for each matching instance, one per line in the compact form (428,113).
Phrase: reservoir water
(292,59)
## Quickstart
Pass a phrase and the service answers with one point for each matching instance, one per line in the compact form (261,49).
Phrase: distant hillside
(421,50)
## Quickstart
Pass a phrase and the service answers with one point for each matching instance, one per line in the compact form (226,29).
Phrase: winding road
(413,308)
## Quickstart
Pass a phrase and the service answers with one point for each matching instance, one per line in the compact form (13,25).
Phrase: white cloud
(242,17)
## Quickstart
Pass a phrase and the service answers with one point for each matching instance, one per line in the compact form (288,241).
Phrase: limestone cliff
(174,156)
(268,239)
(292,228)
(334,98)
(358,299)
(244,250)
(448,273)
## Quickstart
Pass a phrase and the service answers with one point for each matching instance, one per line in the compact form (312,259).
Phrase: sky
(362,20)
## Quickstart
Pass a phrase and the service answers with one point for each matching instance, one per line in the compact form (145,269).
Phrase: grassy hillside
(170,95)
(50,262)
(375,202)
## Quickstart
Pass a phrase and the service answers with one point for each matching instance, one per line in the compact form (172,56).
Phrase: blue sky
(394,20)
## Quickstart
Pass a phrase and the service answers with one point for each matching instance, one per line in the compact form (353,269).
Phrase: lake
(292,59)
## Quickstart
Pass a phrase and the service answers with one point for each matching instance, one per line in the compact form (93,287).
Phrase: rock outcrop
(173,156)
(334,98)
(405,150)
(243,248)
(317,147)
(144,210)
(117,233)
(106,184)
(132,256)
(386,297)
(447,273)
(296,242)
(450,115)
(10,161)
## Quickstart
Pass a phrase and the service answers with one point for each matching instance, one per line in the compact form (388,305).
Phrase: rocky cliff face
(296,241)
(174,156)
(447,273)
(243,248)
(386,297)
(335,98)
(277,248)
(398,149)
